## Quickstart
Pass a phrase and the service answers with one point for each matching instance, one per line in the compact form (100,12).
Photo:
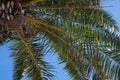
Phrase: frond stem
(35,1)
(30,51)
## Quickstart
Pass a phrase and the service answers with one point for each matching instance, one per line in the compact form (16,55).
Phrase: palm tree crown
(79,31)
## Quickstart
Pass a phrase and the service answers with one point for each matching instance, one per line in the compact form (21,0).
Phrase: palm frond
(80,32)
(34,67)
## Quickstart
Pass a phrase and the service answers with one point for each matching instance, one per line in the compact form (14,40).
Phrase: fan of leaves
(80,32)
(27,67)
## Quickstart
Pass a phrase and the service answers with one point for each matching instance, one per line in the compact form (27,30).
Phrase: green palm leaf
(80,32)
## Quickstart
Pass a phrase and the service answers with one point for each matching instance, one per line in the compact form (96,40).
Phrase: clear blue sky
(6,62)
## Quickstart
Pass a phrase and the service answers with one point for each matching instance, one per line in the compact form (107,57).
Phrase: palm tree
(80,32)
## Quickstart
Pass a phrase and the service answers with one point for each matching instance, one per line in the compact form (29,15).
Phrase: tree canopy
(80,32)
